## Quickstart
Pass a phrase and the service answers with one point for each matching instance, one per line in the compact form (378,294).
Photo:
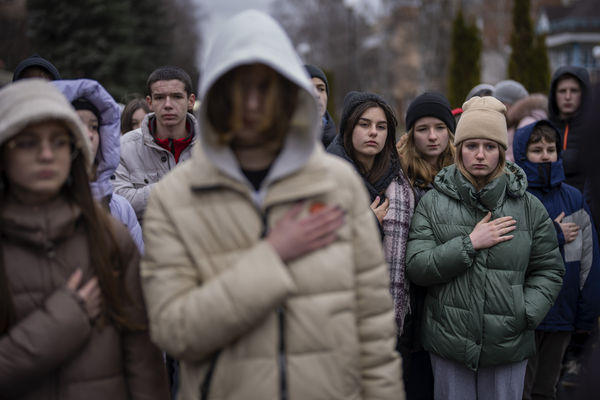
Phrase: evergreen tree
(541,77)
(116,42)
(528,61)
(465,64)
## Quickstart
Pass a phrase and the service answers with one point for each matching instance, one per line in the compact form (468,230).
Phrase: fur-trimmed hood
(533,105)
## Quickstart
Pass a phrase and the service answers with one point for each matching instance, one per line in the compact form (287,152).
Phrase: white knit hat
(482,118)
(28,101)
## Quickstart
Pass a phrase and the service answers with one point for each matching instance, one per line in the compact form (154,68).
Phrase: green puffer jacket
(482,306)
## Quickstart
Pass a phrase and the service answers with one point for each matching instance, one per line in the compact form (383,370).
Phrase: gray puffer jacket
(144,162)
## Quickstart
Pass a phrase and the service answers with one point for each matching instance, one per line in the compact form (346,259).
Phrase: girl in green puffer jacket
(487,251)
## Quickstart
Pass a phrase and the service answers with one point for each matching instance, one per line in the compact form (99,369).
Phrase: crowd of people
(251,249)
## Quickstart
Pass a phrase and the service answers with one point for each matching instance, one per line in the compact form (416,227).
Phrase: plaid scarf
(396,224)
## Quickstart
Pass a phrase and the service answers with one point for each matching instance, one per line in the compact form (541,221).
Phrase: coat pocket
(519,309)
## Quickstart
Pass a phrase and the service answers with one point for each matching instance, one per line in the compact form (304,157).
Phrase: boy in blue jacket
(537,152)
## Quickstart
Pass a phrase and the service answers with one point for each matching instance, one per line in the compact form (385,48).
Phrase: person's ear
(191,101)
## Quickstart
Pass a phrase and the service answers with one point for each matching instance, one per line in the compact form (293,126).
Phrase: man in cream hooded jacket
(245,323)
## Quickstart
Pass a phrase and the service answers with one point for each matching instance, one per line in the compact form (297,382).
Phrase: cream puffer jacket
(244,324)
(219,296)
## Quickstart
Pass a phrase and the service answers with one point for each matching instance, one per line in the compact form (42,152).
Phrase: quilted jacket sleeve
(42,341)
(381,374)
(427,261)
(543,278)
(182,309)
(122,210)
(136,193)
(143,363)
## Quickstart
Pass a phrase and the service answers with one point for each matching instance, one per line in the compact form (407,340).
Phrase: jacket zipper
(205,387)
(281,358)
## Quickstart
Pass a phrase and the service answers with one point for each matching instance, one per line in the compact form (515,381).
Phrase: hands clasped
(489,233)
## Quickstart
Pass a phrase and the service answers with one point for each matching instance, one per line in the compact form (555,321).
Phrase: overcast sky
(218,11)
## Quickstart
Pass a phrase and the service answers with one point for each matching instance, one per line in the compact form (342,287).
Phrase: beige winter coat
(212,284)
(244,324)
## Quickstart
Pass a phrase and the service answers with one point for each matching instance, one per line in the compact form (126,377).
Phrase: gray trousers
(454,381)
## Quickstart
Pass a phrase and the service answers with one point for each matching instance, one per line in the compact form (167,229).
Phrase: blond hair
(417,169)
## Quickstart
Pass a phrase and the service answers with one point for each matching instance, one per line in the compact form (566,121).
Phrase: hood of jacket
(582,76)
(544,176)
(512,183)
(535,106)
(109,130)
(248,38)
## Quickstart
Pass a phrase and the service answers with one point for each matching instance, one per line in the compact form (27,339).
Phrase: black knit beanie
(430,104)
(36,61)
(351,101)
(316,72)
(84,104)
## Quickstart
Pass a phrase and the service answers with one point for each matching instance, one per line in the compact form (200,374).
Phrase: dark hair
(82,103)
(224,102)
(388,153)
(545,132)
(167,73)
(106,259)
(128,112)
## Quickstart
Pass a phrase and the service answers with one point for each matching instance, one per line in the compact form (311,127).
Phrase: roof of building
(581,16)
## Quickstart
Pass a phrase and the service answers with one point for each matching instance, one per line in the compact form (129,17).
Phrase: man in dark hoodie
(567,103)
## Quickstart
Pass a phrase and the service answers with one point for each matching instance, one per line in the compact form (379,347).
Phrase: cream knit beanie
(29,101)
(482,118)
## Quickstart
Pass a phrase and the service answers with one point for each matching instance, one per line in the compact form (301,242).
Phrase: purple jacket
(108,151)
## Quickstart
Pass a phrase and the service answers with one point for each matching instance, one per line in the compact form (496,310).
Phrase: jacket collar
(150,119)
(38,225)
(512,183)
(311,180)
(543,176)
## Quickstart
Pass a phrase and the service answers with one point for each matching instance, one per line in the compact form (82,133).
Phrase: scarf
(396,226)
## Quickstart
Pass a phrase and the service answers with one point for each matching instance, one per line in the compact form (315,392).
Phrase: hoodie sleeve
(543,278)
(122,210)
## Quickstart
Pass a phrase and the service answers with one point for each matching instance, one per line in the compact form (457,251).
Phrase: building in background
(572,32)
